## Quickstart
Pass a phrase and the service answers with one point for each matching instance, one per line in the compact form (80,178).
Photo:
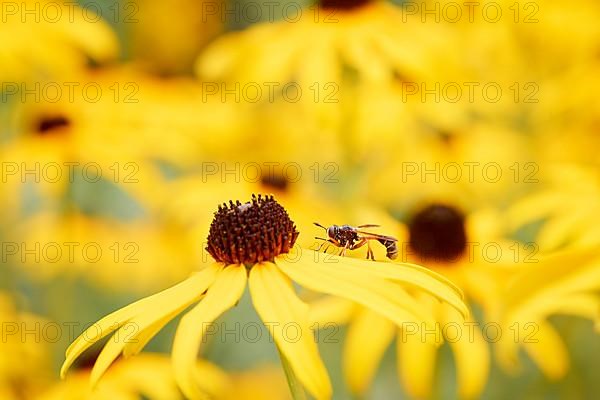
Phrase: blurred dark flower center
(52,124)
(343,4)
(248,233)
(438,233)
(275,181)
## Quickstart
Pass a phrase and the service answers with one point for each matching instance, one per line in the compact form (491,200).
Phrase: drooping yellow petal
(561,228)
(581,304)
(408,274)
(564,273)
(359,285)
(331,310)
(286,317)
(416,364)
(471,353)
(199,282)
(224,293)
(368,337)
(547,350)
(532,208)
(137,333)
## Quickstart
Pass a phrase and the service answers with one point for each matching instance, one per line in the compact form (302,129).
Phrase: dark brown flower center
(248,233)
(51,124)
(274,181)
(438,233)
(343,4)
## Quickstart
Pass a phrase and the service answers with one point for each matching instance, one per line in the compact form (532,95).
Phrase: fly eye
(331,231)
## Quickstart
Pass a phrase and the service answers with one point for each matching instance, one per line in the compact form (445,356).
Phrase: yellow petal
(416,364)
(548,351)
(100,329)
(199,281)
(583,305)
(368,337)
(408,274)
(286,317)
(560,228)
(224,293)
(331,310)
(564,274)
(471,353)
(532,208)
(157,313)
(360,285)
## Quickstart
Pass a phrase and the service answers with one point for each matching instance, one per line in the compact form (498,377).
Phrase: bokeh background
(123,125)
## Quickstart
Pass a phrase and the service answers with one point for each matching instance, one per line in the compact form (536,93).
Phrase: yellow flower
(48,245)
(24,361)
(441,237)
(564,282)
(292,183)
(476,164)
(149,376)
(374,38)
(568,205)
(166,47)
(41,38)
(114,136)
(472,250)
(567,278)
(322,63)
(253,243)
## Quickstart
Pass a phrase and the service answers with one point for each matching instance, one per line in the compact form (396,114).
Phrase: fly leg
(360,244)
(329,242)
(370,251)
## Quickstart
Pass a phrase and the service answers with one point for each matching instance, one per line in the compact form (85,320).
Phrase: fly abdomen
(391,247)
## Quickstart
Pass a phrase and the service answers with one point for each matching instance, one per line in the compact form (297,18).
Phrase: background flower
(123,124)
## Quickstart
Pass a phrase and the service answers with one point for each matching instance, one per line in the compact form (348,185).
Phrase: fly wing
(369,235)
(368,226)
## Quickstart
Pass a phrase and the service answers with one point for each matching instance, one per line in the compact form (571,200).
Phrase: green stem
(295,386)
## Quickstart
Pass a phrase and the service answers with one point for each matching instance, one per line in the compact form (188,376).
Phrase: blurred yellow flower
(441,237)
(149,376)
(472,250)
(24,359)
(254,243)
(41,38)
(312,61)
(166,47)
(570,284)
(373,38)
(99,250)
(567,205)
(115,135)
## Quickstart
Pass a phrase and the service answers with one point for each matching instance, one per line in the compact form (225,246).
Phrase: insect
(350,237)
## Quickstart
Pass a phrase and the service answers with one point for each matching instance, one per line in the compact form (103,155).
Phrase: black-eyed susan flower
(98,250)
(373,38)
(24,361)
(564,282)
(323,62)
(115,139)
(438,237)
(472,249)
(149,376)
(567,206)
(72,37)
(159,44)
(253,243)
(293,184)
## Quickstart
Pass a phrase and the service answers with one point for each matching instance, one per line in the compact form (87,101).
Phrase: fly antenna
(319,225)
